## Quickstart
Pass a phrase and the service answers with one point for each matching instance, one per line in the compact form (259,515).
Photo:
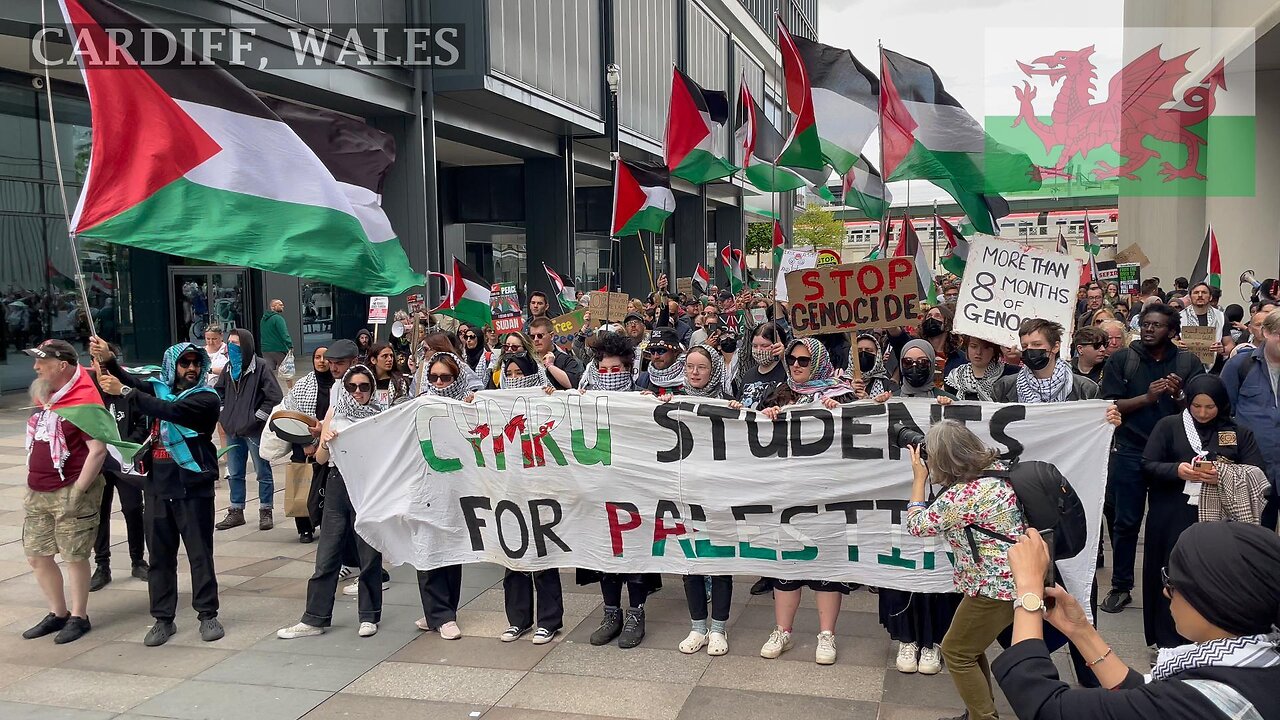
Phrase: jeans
(695,592)
(242,446)
(977,623)
(336,528)
(1126,501)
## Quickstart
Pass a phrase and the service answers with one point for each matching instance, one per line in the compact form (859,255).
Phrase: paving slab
(344,706)
(559,693)
(26,711)
(851,682)
(86,690)
(202,700)
(169,660)
(707,703)
(482,652)
(309,672)
(641,663)
(436,682)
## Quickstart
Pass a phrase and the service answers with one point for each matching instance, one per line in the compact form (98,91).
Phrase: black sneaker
(763,586)
(211,630)
(160,633)
(49,625)
(75,629)
(100,578)
(632,629)
(1115,601)
(609,628)
(142,571)
(306,538)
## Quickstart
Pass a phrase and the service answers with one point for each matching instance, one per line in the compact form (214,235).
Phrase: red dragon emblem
(1135,108)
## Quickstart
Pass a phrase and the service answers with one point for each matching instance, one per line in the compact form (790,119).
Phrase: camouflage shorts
(53,527)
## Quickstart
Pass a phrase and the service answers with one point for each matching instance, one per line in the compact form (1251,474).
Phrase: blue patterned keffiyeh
(173,436)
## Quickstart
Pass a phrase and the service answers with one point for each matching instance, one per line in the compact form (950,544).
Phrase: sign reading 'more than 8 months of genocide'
(621,482)
(1004,284)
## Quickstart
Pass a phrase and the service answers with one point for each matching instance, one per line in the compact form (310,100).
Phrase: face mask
(234,360)
(1035,359)
(762,357)
(931,327)
(613,382)
(918,376)
(729,345)
(866,360)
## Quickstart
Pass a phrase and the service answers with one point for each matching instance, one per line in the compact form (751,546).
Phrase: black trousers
(135,526)
(518,593)
(337,529)
(611,589)
(695,592)
(189,520)
(441,590)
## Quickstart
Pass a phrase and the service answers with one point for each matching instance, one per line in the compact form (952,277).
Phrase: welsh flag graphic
(957,247)
(469,295)
(701,281)
(735,266)
(187,161)
(804,147)
(689,145)
(642,198)
(80,404)
(567,295)
(779,242)
(1208,265)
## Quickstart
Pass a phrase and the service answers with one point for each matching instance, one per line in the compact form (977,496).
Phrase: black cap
(54,349)
(725,296)
(342,350)
(633,316)
(664,336)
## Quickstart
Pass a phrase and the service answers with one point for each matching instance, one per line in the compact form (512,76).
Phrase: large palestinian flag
(863,188)
(80,404)
(1208,266)
(761,144)
(804,146)
(469,297)
(845,102)
(186,160)
(926,134)
(642,198)
(689,144)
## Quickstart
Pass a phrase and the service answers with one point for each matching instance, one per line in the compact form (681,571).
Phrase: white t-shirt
(217,361)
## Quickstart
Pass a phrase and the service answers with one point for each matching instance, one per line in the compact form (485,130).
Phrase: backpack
(1047,502)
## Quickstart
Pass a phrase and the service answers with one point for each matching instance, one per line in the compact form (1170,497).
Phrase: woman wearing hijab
(477,354)
(1223,587)
(355,403)
(811,378)
(875,376)
(520,371)
(974,379)
(917,369)
(1187,455)
(310,396)
(510,344)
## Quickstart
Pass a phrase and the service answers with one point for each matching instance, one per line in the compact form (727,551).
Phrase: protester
(364,339)
(1180,491)
(522,371)
(973,380)
(765,372)
(1045,376)
(611,371)
(666,363)
(310,396)
(251,394)
(133,427)
(1101,315)
(811,378)
(1090,344)
(1251,383)
(1223,585)
(1117,337)
(918,367)
(1145,380)
(973,497)
(1092,303)
(216,349)
(935,329)
(475,349)
(63,497)
(710,324)
(179,495)
(390,385)
(563,370)
(537,308)
(355,402)
(875,376)
(276,341)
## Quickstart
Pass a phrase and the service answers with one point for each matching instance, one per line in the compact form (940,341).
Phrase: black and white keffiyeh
(1245,651)
(1054,388)
(348,408)
(593,379)
(715,385)
(459,389)
(538,379)
(669,377)
(967,383)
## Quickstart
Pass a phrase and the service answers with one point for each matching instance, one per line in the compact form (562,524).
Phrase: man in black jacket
(179,489)
(252,392)
(133,427)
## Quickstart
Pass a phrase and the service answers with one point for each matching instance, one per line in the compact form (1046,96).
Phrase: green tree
(759,239)
(817,227)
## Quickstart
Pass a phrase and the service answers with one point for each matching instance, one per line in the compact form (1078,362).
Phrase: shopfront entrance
(207,295)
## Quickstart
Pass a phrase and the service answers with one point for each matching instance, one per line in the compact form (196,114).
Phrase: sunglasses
(445,378)
(359,387)
(469,336)
(611,370)
(1164,578)
(916,363)
(508,349)
(802,361)
(537,336)
(659,349)
(189,362)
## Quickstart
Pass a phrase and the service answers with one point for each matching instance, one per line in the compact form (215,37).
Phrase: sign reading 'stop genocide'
(1004,285)
(861,296)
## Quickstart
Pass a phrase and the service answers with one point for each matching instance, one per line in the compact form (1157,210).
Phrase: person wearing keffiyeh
(519,371)
(974,379)
(1045,375)
(611,371)
(870,358)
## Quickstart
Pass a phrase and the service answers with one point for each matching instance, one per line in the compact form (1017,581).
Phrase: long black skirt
(913,617)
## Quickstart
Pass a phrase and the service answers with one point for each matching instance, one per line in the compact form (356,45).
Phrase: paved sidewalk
(401,672)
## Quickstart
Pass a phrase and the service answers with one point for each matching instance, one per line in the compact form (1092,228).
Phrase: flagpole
(935,235)
(884,174)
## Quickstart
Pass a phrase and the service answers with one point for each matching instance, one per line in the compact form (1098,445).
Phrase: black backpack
(1047,502)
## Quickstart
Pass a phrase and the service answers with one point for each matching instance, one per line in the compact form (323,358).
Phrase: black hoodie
(249,401)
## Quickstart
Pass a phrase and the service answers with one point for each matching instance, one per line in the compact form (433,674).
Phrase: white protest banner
(620,482)
(792,259)
(1005,284)
(378,306)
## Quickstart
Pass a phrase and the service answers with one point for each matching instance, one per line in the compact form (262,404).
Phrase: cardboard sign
(684,286)
(861,296)
(1004,285)
(566,326)
(1129,277)
(1199,339)
(610,306)
(1107,271)
(792,259)
(378,306)
(1133,254)
(827,257)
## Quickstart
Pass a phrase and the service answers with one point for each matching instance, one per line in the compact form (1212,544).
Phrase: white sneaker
(826,652)
(299,630)
(693,643)
(354,588)
(543,636)
(779,642)
(450,631)
(930,660)
(907,657)
(717,643)
(368,629)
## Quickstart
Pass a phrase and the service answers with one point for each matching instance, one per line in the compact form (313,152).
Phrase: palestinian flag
(1089,271)
(469,297)
(735,266)
(926,134)
(761,144)
(957,247)
(80,404)
(1208,265)
(845,103)
(689,145)
(909,246)
(566,294)
(642,198)
(864,189)
(186,160)
(1062,244)
(779,242)
(804,147)
(701,281)
(881,249)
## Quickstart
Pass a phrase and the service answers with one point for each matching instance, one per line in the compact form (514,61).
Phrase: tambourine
(293,427)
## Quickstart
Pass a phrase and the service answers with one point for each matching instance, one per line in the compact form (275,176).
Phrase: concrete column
(549,221)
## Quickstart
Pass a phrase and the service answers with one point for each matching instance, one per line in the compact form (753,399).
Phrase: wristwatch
(125,390)
(1029,602)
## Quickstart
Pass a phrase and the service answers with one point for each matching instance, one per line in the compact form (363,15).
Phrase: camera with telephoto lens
(904,436)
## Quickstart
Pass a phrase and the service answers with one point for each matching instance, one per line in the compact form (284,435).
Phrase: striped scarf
(1247,651)
(1055,388)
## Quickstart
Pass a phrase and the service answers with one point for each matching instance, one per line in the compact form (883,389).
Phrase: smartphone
(1050,577)
(1203,466)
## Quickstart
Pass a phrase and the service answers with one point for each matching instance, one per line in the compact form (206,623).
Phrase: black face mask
(729,344)
(1035,359)
(866,360)
(918,376)
(931,327)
